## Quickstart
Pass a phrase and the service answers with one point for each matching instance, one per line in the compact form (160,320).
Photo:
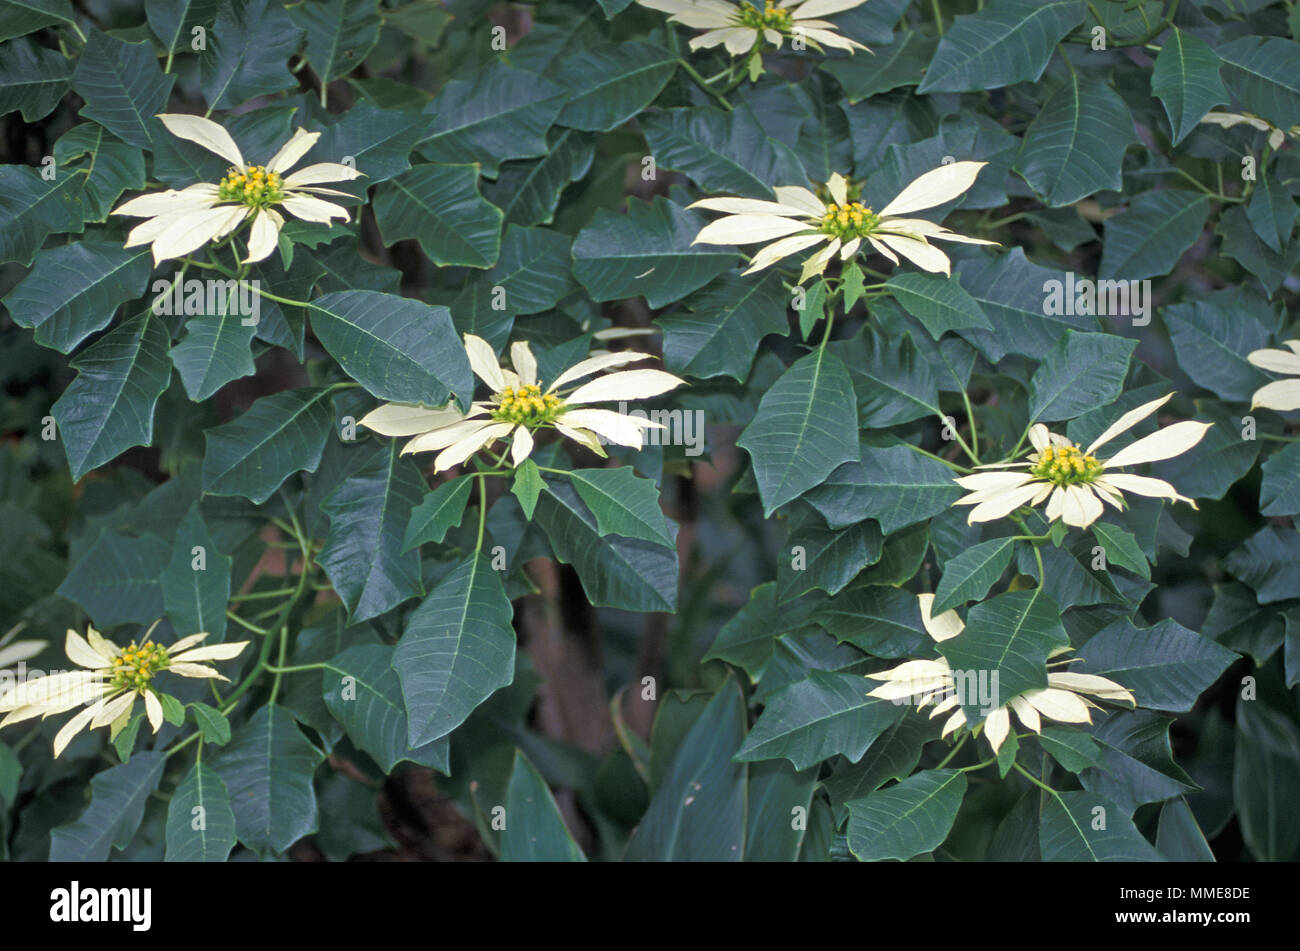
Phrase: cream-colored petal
(185,643)
(1026,713)
(955,722)
(1002,505)
(1162,444)
(407,419)
(838,186)
(935,187)
(749,229)
(525,364)
(445,436)
(196,671)
(942,628)
(994,480)
(595,364)
(615,427)
(770,254)
(1091,684)
(996,727)
(1127,422)
(925,256)
(816,263)
(800,198)
(212,652)
(826,37)
(521,447)
(1081,507)
(82,654)
(313,209)
(928,229)
(264,236)
(153,710)
(581,436)
(624,385)
(850,248)
(483,361)
(1055,503)
(170,202)
(102,645)
(110,708)
(1281,395)
(321,172)
(461,450)
(1060,705)
(821,8)
(880,248)
(697,14)
(751,206)
(1144,485)
(915,670)
(187,232)
(297,146)
(74,726)
(206,133)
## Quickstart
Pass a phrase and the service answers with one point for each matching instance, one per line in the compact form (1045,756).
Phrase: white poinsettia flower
(179,222)
(798,220)
(1227,120)
(740,27)
(1074,481)
(1281,395)
(925,682)
(518,407)
(112,678)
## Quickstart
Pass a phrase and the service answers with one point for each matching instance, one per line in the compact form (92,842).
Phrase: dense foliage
(590,429)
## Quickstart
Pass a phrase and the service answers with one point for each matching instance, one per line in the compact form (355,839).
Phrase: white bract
(1064,699)
(1281,395)
(1227,120)
(518,407)
(1074,481)
(179,222)
(740,27)
(798,220)
(112,678)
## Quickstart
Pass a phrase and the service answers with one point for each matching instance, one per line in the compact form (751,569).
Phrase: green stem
(938,16)
(482,512)
(258,595)
(247,625)
(970,418)
(1034,779)
(953,752)
(279,668)
(956,467)
(704,84)
(293,670)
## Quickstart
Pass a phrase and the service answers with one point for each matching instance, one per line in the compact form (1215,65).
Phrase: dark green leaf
(458,647)
(200,824)
(805,427)
(278,435)
(364,555)
(397,348)
(109,407)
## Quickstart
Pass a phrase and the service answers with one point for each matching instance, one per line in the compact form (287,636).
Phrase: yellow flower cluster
(527,405)
(853,220)
(254,186)
(772,17)
(137,664)
(1066,465)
